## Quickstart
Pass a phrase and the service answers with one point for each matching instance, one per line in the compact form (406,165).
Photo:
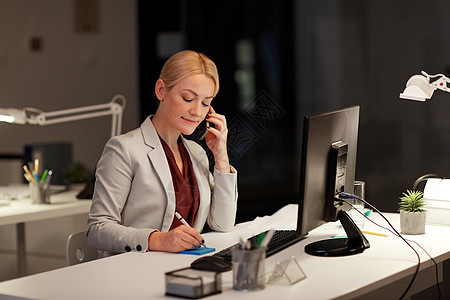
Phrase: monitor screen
(328,166)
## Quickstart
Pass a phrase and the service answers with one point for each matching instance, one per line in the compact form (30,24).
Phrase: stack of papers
(283,219)
(14,192)
(22,191)
(437,197)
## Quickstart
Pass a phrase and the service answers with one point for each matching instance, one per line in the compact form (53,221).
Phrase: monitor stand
(355,242)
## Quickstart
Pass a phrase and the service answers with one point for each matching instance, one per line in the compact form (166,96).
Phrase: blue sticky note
(198,251)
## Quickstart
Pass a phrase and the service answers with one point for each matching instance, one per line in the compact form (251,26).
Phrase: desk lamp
(35,116)
(420,88)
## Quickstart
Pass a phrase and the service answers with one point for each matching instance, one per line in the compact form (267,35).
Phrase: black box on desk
(52,156)
(193,284)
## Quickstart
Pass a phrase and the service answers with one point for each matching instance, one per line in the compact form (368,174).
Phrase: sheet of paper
(283,219)
(13,192)
(437,189)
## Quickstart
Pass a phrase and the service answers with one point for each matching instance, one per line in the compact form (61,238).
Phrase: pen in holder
(249,268)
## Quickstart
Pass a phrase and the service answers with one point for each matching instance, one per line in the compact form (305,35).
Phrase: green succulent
(412,201)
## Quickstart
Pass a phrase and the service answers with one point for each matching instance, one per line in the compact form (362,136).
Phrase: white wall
(72,69)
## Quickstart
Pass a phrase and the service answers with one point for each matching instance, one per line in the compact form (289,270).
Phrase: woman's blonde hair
(185,63)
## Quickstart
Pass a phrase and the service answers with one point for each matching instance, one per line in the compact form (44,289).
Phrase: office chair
(78,250)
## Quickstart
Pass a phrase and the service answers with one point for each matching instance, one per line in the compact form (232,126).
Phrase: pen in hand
(179,217)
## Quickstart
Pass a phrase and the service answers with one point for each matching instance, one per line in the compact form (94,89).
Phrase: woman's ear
(159,89)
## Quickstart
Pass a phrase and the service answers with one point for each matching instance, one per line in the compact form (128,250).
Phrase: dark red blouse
(186,191)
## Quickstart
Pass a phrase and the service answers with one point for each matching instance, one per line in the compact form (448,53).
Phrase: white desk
(383,270)
(21,211)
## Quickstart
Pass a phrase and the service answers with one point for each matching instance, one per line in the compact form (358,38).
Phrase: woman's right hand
(178,239)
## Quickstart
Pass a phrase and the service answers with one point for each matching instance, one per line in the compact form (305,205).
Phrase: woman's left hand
(216,140)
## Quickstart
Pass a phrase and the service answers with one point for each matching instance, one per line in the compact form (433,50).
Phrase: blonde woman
(148,174)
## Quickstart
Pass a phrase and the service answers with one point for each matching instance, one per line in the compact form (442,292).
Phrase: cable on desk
(343,196)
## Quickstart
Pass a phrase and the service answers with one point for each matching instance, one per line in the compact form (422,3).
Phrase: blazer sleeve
(222,203)
(114,177)
(222,216)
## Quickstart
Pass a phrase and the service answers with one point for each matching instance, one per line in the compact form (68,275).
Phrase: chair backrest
(78,250)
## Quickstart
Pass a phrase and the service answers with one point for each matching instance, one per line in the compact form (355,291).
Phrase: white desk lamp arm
(440,83)
(114,108)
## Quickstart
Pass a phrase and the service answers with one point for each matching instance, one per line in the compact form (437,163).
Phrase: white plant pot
(412,222)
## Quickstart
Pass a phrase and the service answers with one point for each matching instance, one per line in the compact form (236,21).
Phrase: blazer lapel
(158,160)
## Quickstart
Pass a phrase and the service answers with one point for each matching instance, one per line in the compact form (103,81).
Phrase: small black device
(211,263)
(337,168)
(202,129)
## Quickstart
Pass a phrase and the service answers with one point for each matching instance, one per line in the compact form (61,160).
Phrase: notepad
(198,251)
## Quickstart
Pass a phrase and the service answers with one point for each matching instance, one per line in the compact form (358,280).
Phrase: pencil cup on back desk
(39,186)
(40,193)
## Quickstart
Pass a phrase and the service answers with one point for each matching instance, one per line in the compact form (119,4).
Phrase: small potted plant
(412,212)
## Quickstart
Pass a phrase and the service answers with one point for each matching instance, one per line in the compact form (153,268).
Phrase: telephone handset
(202,129)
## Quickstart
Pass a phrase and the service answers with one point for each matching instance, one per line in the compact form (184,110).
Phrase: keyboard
(280,240)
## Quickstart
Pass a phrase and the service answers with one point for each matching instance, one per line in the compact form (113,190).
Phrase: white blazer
(134,193)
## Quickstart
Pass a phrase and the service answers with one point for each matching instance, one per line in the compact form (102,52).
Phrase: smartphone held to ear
(202,129)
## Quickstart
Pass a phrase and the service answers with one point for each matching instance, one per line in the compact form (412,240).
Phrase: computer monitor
(328,166)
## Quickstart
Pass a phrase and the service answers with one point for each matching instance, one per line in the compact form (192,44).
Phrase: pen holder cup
(249,269)
(40,193)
